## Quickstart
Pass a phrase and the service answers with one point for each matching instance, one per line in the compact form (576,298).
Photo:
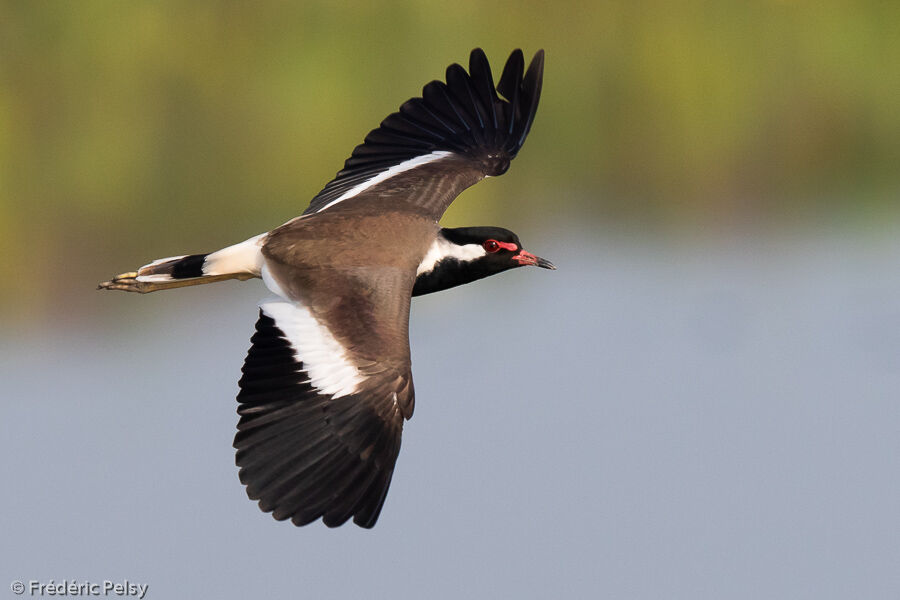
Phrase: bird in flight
(327,382)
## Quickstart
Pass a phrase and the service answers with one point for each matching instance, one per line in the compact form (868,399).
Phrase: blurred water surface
(654,419)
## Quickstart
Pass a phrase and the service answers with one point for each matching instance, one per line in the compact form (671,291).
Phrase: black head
(465,254)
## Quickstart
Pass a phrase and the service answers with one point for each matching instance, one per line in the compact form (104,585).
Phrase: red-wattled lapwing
(327,384)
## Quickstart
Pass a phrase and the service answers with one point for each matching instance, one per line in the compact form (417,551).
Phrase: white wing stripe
(406,165)
(325,360)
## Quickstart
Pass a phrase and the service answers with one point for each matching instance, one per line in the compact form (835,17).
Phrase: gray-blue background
(655,419)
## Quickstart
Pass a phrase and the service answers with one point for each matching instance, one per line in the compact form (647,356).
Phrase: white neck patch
(443,248)
(406,165)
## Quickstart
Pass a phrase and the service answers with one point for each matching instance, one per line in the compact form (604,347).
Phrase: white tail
(240,261)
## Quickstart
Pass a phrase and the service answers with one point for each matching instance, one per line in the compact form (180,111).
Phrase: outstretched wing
(320,428)
(436,146)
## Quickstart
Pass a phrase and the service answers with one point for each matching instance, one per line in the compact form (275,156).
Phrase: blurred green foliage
(133,130)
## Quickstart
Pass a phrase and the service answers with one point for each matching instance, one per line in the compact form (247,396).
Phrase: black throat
(460,258)
(451,272)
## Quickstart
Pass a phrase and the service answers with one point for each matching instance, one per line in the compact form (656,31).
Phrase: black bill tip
(544,264)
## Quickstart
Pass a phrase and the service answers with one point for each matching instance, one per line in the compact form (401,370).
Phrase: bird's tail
(240,261)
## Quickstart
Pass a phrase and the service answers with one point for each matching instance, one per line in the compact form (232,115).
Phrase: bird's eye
(491,245)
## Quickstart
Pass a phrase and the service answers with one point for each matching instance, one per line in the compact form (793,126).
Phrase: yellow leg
(127,282)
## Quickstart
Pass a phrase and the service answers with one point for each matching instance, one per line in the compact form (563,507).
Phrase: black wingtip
(512,74)
(464,115)
(531,84)
(303,455)
(522,89)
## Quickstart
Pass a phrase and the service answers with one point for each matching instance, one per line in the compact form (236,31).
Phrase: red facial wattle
(525,258)
(495,246)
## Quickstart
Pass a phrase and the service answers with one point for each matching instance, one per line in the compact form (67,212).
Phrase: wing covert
(455,134)
(318,435)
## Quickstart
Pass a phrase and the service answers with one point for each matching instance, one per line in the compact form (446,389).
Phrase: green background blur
(135,130)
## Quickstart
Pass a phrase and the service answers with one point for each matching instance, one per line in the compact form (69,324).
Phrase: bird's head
(465,254)
(495,248)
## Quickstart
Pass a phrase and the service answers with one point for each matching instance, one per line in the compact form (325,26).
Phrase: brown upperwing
(426,190)
(354,269)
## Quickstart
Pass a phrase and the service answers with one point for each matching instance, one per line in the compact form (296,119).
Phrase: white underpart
(443,248)
(270,282)
(324,359)
(406,165)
